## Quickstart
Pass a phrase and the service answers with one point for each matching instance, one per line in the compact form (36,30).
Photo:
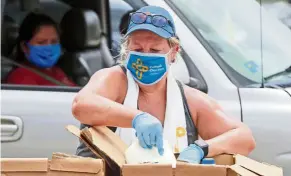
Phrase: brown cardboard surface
(109,169)
(225,159)
(240,170)
(147,169)
(60,165)
(77,132)
(231,172)
(62,173)
(23,173)
(109,143)
(62,162)
(196,169)
(257,167)
(51,173)
(24,164)
(103,142)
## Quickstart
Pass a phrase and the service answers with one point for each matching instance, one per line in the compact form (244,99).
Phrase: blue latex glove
(191,154)
(149,131)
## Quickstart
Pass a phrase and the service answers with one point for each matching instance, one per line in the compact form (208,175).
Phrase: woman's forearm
(97,110)
(236,141)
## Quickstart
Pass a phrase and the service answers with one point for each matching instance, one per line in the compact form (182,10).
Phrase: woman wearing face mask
(140,97)
(38,48)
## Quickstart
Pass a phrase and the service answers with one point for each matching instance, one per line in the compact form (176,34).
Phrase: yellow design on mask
(139,68)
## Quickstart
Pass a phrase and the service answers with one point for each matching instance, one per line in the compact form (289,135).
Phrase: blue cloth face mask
(147,68)
(44,56)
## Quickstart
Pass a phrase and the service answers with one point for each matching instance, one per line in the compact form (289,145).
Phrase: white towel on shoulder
(174,124)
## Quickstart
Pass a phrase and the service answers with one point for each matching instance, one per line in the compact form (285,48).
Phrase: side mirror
(197,84)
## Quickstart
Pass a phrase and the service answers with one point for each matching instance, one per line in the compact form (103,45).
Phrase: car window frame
(39,88)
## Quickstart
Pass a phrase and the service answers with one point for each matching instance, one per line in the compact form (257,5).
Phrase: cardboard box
(60,165)
(107,145)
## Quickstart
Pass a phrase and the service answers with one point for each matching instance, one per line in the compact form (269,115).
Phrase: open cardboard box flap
(246,166)
(107,145)
(104,143)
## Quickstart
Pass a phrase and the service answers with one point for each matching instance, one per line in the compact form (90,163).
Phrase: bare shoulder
(109,82)
(110,74)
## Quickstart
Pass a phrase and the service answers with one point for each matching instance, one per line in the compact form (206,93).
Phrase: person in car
(38,48)
(141,97)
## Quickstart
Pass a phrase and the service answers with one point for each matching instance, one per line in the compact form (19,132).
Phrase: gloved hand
(149,131)
(191,154)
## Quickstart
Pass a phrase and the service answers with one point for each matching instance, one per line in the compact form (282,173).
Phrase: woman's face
(43,49)
(148,42)
(46,35)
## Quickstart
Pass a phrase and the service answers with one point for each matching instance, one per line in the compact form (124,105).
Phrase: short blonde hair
(173,41)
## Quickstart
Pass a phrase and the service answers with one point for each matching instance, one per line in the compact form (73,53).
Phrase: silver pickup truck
(227,52)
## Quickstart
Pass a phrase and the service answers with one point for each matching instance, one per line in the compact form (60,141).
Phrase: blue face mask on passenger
(44,56)
(147,68)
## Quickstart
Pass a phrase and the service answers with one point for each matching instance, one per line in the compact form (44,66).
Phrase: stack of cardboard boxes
(110,149)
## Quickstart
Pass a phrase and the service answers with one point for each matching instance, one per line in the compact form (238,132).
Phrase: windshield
(232,28)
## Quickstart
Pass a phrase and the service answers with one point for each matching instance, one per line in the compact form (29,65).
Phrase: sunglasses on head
(156,20)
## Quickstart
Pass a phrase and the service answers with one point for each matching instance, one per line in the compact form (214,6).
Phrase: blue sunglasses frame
(152,16)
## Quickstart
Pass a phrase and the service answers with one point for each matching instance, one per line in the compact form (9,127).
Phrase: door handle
(8,129)
(11,128)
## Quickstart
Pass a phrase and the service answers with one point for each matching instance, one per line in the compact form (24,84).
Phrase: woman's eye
(155,51)
(138,50)
(42,42)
